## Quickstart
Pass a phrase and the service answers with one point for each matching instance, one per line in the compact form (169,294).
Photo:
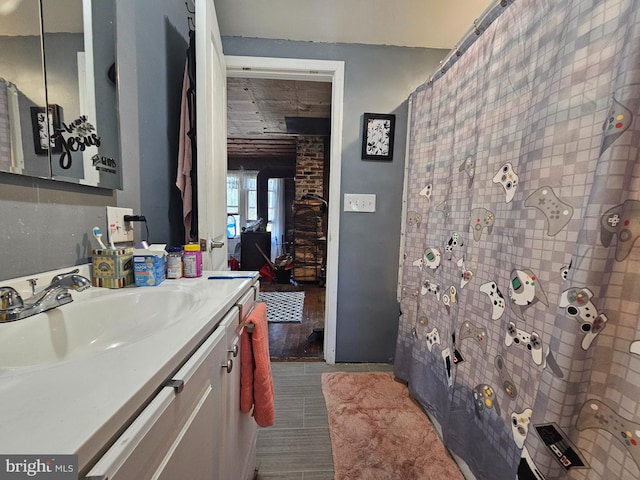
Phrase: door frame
(316,71)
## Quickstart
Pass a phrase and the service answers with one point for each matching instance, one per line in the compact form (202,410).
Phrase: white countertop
(79,405)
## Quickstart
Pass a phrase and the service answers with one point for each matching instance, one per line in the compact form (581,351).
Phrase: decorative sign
(44,138)
(80,135)
(377,136)
(104,164)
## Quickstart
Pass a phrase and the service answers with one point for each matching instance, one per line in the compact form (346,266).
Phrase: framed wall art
(44,140)
(377,136)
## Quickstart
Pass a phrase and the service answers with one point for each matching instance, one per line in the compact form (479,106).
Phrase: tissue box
(149,267)
(112,268)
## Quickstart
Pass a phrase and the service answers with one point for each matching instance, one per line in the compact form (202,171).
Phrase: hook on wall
(190,21)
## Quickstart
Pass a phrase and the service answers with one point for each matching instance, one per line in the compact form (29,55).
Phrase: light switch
(359,202)
(117,229)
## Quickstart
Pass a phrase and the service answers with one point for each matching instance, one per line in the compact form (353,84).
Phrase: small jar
(192,260)
(174,262)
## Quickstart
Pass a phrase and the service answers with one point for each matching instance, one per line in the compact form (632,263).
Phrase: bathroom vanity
(148,390)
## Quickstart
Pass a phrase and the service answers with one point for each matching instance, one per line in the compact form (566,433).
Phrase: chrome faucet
(13,307)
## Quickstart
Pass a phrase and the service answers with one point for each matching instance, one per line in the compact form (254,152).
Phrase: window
(242,200)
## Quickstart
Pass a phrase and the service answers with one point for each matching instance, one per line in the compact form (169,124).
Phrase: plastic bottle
(192,260)
(174,262)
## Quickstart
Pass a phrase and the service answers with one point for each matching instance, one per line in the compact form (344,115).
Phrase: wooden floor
(292,341)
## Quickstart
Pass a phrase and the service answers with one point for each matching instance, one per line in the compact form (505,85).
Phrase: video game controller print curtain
(520,305)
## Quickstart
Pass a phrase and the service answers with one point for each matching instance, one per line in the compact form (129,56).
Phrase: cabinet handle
(234,350)
(177,385)
(228,365)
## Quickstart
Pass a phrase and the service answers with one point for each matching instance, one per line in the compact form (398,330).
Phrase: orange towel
(246,372)
(263,392)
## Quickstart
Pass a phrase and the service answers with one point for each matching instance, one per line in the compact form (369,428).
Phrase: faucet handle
(60,276)
(33,282)
(10,298)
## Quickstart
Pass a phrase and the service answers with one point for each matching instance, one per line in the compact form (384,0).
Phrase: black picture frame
(378,132)
(44,141)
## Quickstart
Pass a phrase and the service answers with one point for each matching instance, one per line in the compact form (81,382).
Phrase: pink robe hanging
(183,177)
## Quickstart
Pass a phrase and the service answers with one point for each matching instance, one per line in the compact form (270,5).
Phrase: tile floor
(298,446)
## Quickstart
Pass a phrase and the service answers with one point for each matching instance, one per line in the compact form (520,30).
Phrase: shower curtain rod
(476,29)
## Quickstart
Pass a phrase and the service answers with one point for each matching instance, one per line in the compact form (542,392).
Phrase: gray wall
(152,44)
(378,79)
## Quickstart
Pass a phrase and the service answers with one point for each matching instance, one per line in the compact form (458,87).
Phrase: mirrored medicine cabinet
(58,91)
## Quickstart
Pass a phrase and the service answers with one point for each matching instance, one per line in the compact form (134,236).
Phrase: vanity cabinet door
(241,457)
(178,435)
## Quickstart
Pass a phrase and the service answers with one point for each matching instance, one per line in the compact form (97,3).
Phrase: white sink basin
(96,321)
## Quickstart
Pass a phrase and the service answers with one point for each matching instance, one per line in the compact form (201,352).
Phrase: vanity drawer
(246,302)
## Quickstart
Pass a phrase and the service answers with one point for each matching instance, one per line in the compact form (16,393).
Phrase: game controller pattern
(495,296)
(465,275)
(564,271)
(444,207)
(446,301)
(419,263)
(557,212)
(596,415)
(427,191)
(527,468)
(414,219)
(469,166)
(449,298)
(530,341)
(578,303)
(469,330)
(454,242)
(457,356)
(481,219)
(525,291)
(507,385)
(484,397)
(430,287)
(446,358)
(520,426)
(618,121)
(624,221)
(431,258)
(508,179)
(432,338)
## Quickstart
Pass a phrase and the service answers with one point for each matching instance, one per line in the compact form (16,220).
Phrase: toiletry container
(174,262)
(112,268)
(149,266)
(192,260)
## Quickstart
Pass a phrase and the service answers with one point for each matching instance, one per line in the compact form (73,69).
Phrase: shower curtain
(520,292)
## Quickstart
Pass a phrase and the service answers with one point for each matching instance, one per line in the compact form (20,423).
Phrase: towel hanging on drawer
(256,381)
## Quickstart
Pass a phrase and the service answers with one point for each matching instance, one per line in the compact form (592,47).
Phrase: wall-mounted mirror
(60,106)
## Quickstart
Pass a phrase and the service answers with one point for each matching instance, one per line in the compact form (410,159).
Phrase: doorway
(317,71)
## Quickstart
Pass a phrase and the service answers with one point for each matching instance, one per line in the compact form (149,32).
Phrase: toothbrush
(112,230)
(98,234)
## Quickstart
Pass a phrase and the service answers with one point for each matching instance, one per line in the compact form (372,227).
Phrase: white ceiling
(407,23)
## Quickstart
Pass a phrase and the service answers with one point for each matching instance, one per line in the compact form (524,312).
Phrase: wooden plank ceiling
(256,111)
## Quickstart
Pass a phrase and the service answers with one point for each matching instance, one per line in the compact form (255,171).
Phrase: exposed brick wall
(310,166)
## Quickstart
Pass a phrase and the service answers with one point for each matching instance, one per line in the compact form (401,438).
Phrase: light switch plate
(359,202)
(117,229)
